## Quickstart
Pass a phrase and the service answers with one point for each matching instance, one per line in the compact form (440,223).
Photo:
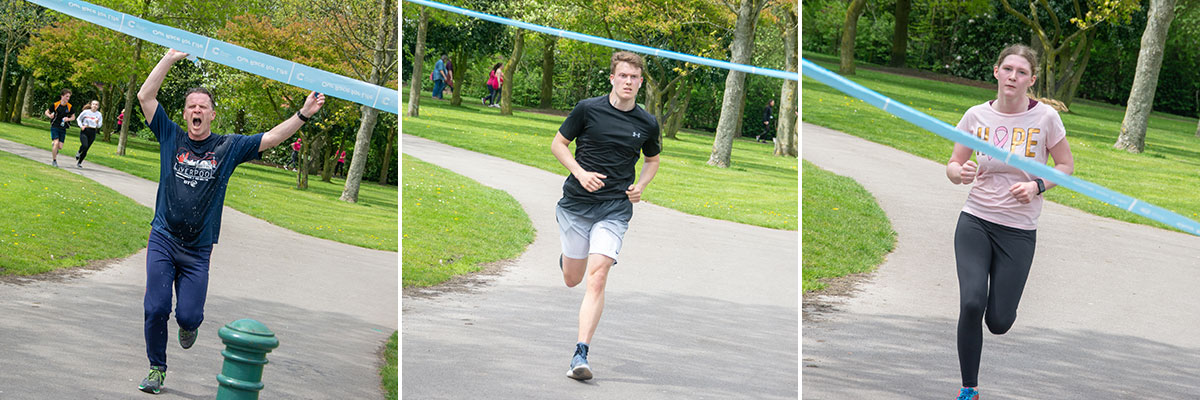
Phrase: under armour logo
(637,134)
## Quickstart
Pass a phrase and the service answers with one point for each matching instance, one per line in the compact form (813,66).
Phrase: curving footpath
(331,305)
(1109,311)
(696,309)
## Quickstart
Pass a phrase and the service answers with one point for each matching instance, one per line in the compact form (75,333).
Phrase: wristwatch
(1041,185)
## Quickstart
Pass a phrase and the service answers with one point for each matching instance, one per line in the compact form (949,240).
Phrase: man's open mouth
(196,122)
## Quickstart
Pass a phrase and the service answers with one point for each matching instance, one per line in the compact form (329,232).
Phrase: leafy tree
(732,105)
(1141,97)
(1065,43)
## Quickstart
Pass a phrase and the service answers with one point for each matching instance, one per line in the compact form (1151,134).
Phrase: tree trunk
(27,108)
(4,91)
(1145,79)
(362,143)
(386,167)
(414,90)
(899,36)
(849,31)
(510,72)
(328,160)
(456,79)
(682,113)
(123,138)
(547,96)
(786,139)
(20,103)
(732,103)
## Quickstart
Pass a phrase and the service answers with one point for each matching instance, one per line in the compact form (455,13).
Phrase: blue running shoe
(968,394)
(579,365)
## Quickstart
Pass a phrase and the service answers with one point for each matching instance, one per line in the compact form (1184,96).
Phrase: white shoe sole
(581,372)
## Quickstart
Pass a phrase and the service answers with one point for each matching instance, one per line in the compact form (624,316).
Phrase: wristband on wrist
(302,117)
(1041,185)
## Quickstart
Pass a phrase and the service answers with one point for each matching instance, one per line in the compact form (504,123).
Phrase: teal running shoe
(154,382)
(968,394)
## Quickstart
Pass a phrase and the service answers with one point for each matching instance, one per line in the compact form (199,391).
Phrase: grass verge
(389,372)
(453,225)
(1160,175)
(845,231)
(265,192)
(55,219)
(759,189)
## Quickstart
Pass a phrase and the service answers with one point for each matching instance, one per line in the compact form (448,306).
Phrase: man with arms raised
(194,168)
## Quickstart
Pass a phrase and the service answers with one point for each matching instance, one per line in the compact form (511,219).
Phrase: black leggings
(986,250)
(86,137)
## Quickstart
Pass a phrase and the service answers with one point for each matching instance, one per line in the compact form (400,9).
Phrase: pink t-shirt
(1030,134)
(296,145)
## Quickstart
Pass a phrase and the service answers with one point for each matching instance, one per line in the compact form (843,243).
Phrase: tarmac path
(331,305)
(1109,310)
(696,308)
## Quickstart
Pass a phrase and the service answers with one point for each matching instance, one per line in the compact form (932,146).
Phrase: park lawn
(758,189)
(265,192)
(55,219)
(453,225)
(1163,175)
(845,231)
(389,372)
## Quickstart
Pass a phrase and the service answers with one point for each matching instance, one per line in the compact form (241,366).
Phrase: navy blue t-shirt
(192,179)
(608,141)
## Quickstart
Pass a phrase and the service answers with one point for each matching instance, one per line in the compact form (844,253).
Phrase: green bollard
(247,343)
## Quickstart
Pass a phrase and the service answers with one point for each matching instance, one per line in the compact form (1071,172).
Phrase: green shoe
(154,382)
(187,338)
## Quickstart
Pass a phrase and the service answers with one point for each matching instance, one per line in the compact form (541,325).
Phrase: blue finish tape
(234,56)
(750,69)
(1124,202)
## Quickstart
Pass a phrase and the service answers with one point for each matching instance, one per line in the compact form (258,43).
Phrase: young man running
(598,196)
(60,115)
(194,169)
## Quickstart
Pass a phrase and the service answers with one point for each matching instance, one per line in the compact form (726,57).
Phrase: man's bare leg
(573,270)
(593,300)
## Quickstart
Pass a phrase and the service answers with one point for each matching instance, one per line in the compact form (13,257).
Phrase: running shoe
(579,365)
(154,382)
(968,394)
(54,163)
(79,164)
(187,338)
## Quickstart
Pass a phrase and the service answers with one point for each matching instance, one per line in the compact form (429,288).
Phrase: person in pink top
(495,80)
(341,162)
(997,228)
(295,154)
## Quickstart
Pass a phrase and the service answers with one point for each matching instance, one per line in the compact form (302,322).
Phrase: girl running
(997,228)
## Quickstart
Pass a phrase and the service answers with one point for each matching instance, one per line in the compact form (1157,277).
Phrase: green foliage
(56,219)
(454,225)
(759,190)
(1171,146)
(845,231)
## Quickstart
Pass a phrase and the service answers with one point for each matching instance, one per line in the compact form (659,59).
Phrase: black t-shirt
(608,140)
(192,179)
(60,110)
